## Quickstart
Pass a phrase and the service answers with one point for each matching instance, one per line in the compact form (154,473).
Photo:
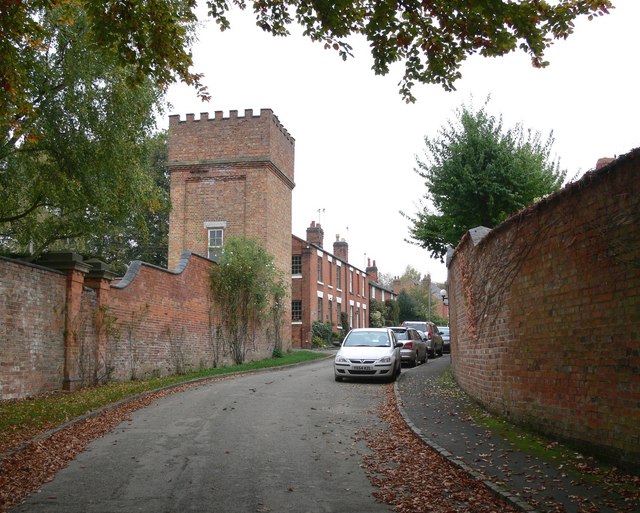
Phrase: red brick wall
(32,303)
(152,322)
(545,313)
(160,321)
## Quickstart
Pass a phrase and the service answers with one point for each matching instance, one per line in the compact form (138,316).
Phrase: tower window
(216,238)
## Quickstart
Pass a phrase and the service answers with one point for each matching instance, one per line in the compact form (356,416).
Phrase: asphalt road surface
(279,441)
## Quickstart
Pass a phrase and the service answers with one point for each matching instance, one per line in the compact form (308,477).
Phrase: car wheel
(414,363)
(399,370)
(424,359)
(338,378)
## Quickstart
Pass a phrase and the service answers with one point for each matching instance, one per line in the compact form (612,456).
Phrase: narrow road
(279,441)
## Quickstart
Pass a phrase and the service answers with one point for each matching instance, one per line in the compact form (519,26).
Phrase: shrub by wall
(545,313)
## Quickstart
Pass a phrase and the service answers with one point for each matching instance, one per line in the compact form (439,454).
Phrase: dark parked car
(446,341)
(432,335)
(414,348)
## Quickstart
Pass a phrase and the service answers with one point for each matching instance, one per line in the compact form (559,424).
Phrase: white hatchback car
(368,353)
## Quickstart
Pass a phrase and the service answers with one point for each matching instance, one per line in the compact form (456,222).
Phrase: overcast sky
(356,140)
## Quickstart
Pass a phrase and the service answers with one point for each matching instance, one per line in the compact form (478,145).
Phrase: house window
(338,277)
(320,269)
(351,316)
(329,281)
(216,238)
(339,311)
(351,281)
(296,310)
(320,313)
(296,264)
(330,308)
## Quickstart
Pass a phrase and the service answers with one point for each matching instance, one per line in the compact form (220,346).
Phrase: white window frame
(214,226)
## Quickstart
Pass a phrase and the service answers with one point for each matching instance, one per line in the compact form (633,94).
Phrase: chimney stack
(372,270)
(341,249)
(315,234)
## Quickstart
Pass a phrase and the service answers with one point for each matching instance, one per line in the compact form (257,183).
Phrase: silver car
(414,348)
(368,353)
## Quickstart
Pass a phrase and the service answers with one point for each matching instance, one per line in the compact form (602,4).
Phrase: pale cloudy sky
(356,140)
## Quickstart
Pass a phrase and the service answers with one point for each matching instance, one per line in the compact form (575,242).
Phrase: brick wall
(56,334)
(160,320)
(32,302)
(545,313)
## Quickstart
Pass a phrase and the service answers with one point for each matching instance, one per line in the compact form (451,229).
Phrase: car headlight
(341,359)
(385,359)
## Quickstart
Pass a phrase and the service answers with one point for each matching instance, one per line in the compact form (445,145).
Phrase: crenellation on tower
(249,137)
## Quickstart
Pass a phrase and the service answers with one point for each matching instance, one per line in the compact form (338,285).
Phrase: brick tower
(231,176)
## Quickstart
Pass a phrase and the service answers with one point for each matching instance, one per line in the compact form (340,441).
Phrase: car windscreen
(367,338)
(402,335)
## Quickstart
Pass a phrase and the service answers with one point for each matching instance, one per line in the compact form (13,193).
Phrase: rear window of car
(401,334)
(422,326)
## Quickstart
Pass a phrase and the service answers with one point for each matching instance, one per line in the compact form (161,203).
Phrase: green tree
(74,163)
(244,286)
(144,235)
(79,81)
(392,312)
(432,38)
(151,40)
(477,174)
(412,305)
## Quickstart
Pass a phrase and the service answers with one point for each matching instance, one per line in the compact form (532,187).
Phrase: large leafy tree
(73,161)
(79,80)
(144,234)
(432,38)
(477,173)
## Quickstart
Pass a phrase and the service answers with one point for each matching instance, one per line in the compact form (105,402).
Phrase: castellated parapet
(234,137)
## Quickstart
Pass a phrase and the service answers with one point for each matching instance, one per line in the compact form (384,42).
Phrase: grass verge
(542,447)
(22,418)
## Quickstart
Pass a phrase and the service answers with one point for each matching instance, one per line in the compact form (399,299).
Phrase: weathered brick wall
(158,321)
(152,322)
(545,313)
(32,301)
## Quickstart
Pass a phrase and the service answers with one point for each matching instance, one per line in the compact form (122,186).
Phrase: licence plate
(362,367)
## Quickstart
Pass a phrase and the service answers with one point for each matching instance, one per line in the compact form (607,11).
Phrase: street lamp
(445,301)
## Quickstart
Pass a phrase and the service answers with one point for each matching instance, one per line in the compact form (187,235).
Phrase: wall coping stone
(136,265)
(64,261)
